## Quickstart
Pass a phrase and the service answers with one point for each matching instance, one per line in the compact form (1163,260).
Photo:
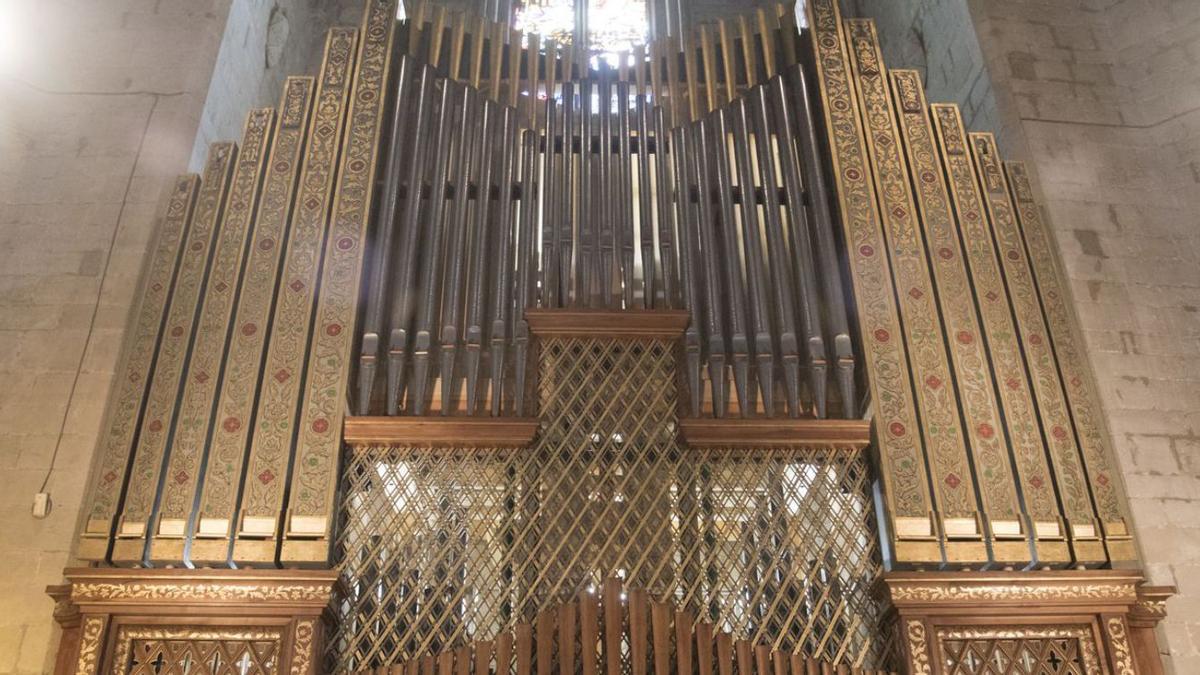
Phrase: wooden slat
(724,653)
(211,346)
(483,657)
(639,607)
(566,635)
(589,633)
(613,626)
(621,324)
(504,652)
(462,661)
(704,648)
(244,360)
(744,651)
(491,432)
(545,640)
(774,433)
(524,649)
(169,371)
(429,665)
(660,614)
(762,660)
(779,662)
(683,642)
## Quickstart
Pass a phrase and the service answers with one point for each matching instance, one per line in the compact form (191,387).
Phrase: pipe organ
(486,325)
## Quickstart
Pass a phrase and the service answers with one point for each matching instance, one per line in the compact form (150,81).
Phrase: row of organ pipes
(597,201)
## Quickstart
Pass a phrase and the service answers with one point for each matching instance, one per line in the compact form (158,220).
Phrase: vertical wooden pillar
(1143,620)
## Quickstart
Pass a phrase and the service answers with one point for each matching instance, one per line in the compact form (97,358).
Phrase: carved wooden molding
(459,432)
(105,612)
(943,611)
(166,591)
(774,433)
(1011,591)
(629,324)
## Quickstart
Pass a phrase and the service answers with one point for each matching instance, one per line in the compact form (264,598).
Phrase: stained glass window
(612,25)
(551,18)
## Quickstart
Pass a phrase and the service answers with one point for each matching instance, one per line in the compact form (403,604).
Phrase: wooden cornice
(632,324)
(157,591)
(774,432)
(1016,591)
(459,432)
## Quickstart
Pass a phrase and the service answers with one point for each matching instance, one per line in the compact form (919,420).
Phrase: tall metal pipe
(385,231)
(404,298)
(453,107)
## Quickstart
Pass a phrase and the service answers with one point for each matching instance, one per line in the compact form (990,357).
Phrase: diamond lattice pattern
(203,657)
(1016,656)
(440,546)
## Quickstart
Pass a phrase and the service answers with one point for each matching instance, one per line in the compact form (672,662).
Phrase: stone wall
(264,41)
(937,38)
(100,103)
(1102,98)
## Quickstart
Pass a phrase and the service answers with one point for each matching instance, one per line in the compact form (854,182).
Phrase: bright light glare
(12,44)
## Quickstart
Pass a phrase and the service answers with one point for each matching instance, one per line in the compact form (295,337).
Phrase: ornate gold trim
(1034,336)
(1118,638)
(302,647)
(969,360)
(158,418)
(115,445)
(906,489)
(247,347)
(91,638)
(908,588)
(180,586)
(318,442)
(918,647)
(280,389)
(99,592)
(1013,593)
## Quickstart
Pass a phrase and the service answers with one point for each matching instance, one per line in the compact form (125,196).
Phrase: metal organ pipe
(582,205)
